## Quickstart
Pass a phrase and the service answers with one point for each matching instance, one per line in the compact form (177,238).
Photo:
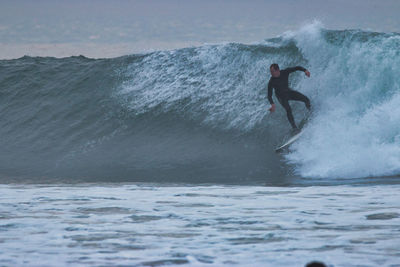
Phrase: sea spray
(355,85)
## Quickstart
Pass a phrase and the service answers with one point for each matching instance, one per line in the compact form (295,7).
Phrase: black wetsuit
(284,93)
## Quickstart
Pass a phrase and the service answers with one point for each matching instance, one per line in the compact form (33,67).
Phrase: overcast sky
(100,28)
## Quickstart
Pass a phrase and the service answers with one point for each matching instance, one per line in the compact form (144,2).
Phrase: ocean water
(192,225)
(167,158)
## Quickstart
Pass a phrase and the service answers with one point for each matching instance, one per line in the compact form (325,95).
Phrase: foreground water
(156,225)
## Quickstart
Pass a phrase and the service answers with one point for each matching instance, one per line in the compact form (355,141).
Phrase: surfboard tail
(288,143)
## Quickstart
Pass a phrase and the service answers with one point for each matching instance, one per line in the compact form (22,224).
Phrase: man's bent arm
(290,70)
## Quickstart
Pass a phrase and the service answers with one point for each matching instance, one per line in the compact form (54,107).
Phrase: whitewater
(186,225)
(168,157)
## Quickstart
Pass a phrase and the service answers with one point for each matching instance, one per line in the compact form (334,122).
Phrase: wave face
(200,114)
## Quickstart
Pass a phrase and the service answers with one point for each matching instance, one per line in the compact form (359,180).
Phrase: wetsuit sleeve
(290,70)
(270,93)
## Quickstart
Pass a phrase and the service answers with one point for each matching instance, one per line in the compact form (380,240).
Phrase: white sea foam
(150,225)
(355,87)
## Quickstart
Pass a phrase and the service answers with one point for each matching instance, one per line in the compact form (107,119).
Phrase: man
(280,82)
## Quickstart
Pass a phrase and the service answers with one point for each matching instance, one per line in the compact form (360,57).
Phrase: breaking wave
(200,114)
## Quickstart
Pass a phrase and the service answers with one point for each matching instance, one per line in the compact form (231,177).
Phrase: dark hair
(275,66)
(315,264)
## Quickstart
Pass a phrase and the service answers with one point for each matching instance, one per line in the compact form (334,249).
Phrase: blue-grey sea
(168,158)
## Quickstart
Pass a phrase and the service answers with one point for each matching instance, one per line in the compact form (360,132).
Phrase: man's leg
(297,96)
(284,102)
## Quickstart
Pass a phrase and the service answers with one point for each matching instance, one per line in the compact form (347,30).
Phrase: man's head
(274,69)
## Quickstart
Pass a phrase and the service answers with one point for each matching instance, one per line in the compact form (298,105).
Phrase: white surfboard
(289,142)
(296,136)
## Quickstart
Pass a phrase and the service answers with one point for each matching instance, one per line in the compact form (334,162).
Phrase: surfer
(280,82)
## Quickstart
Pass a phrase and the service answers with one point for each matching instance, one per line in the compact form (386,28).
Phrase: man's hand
(307,73)
(272,108)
